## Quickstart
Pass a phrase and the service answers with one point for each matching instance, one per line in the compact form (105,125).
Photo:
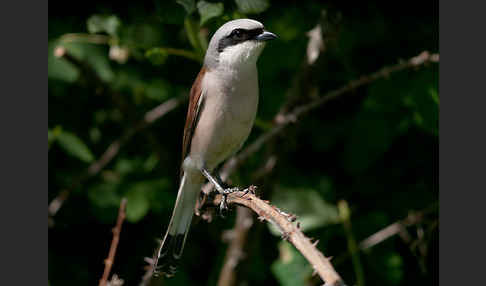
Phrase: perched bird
(222,108)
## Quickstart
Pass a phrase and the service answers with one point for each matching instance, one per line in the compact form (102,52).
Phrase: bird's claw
(223,205)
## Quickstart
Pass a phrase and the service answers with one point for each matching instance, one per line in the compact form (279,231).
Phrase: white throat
(241,56)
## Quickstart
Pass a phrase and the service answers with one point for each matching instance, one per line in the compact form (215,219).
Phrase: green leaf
(52,135)
(137,203)
(142,36)
(104,195)
(388,266)
(105,201)
(145,195)
(151,162)
(291,269)
(74,146)
(103,23)
(192,32)
(209,10)
(158,90)
(311,210)
(58,68)
(423,99)
(189,5)
(157,56)
(394,264)
(252,6)
(94,56)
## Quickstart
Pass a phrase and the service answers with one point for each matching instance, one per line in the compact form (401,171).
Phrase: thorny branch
(238,235)
(290,232)
(113,149)
(114,243)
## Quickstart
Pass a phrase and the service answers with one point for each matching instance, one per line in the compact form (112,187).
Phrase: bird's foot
(223,205)
(251,189)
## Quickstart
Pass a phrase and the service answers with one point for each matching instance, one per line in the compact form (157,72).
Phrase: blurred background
(360,172)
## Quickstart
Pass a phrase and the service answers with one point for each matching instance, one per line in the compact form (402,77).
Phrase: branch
(178,52)
(114,243)
(398,227)
(85,38)
(238,235)
(290,232)
(235,252)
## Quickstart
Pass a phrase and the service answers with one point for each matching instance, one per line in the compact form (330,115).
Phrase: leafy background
(373,152)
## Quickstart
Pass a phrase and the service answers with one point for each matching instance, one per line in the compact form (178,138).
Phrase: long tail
(171,247)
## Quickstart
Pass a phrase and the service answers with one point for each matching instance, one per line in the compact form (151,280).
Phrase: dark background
(376,147)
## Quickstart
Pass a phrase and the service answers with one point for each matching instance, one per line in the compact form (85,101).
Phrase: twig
(398,227)
(94,168)
(235,251)
(114,243)
(290,232)
(149,271)
(85,38)
(179,52)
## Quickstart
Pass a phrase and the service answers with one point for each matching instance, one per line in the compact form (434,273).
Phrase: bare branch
(290,232)
(114,243)
(235,252)
(85,38)
(398,227)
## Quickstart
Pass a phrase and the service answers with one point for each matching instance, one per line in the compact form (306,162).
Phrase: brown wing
(192,113)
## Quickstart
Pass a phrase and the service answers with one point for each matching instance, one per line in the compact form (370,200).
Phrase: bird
(222,109)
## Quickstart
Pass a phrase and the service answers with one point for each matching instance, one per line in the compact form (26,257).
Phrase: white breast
(227,116)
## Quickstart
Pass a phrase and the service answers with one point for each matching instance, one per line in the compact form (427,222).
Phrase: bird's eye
(237,34)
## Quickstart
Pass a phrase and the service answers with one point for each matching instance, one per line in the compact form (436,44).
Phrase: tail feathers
(171,248)
(170,254)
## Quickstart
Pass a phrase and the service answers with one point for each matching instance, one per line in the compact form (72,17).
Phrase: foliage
(376,147)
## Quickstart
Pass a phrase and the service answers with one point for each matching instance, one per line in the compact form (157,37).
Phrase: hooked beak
(265,36)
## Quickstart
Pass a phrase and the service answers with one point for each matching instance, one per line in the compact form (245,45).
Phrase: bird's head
(237,44)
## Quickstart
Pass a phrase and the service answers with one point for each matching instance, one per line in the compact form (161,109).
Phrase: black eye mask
(238,36)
